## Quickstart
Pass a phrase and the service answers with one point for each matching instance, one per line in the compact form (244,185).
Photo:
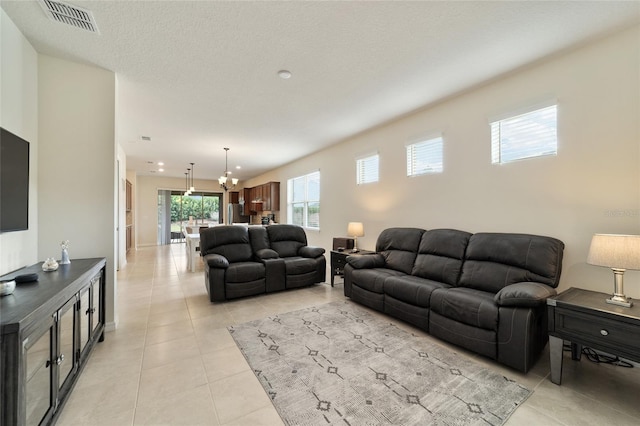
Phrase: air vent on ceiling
(70,15)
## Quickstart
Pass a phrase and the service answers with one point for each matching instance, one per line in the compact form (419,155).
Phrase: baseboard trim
(110,326)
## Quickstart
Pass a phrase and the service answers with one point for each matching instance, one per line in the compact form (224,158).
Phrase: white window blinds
(425,157)
(533,134)
(367,169)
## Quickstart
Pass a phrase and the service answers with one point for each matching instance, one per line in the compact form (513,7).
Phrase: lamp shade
(355,229)
(615,251)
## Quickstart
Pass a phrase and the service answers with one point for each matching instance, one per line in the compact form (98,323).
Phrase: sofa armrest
(526,294)
(310,251)
(366,261)
(216,261)
(264,254)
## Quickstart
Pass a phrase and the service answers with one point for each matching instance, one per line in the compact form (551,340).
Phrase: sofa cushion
(440,255)
(399,246)
(466,305)
(300,265)
(240,272)
(412,290)
(372,279)
(286,239)
(231,242)
(495,260)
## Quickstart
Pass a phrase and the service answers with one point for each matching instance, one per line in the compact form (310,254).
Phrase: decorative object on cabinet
(618,252)
(7,287)
(355,230)
(222,180)
(340,243)
(50,265)
(64,258)
(26,278)
(48,329)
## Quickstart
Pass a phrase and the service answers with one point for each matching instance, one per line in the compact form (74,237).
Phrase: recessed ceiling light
(284,74)
(238,167)
(161,170)
(160,163)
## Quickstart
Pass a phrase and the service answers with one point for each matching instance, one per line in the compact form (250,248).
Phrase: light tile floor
(171,360)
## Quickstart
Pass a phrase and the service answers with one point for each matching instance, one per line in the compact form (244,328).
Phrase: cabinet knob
(604,332)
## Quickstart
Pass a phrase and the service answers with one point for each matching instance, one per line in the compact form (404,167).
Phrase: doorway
(175,211)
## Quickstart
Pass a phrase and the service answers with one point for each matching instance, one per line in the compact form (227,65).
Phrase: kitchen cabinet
(234,197)
(265,197)
(245,201)
(48,329)
(271,196)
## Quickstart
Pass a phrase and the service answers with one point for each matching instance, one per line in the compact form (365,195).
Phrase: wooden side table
(339,260)
(585,319)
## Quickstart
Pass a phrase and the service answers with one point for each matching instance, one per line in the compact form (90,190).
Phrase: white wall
(19,115)
(77,172)
(592,185)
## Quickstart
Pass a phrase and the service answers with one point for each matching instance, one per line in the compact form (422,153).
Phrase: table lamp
(355,230)
(618,252)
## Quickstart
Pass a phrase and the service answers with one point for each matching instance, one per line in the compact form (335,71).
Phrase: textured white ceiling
(197,76)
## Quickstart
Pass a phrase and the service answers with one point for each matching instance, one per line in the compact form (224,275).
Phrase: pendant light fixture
(186,184)
(222,180)
(192,189)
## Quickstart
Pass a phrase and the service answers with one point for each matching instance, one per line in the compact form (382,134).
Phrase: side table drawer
(597,330)
(340,261)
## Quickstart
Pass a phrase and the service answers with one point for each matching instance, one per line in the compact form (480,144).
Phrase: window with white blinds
(303,200)
(425,157)
(367,169)
(529,135)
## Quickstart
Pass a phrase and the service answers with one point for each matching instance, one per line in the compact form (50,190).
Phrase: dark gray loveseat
(485,292)
(244,261)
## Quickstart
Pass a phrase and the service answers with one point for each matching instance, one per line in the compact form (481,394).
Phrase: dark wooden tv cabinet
(47,331)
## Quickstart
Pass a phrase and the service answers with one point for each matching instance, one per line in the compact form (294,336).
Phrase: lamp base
(620,301)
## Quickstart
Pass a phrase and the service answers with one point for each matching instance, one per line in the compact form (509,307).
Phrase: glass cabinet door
(65,360)
(38,354)
(84,318)
(95,303)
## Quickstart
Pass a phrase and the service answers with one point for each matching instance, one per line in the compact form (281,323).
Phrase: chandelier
(222,180)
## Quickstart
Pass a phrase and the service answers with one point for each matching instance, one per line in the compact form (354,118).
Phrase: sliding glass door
(176,211)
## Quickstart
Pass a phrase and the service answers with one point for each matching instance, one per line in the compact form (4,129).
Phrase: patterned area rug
(338,363)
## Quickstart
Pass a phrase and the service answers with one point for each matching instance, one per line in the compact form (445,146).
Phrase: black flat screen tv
(14,182)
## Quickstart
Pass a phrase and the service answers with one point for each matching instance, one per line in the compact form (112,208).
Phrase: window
(367,169)
(303,200)
(424,157)
(533,134)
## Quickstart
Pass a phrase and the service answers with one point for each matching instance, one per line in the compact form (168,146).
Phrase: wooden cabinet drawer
(596,330)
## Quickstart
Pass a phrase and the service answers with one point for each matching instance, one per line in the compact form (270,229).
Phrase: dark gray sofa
(485,292)
(244,261)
